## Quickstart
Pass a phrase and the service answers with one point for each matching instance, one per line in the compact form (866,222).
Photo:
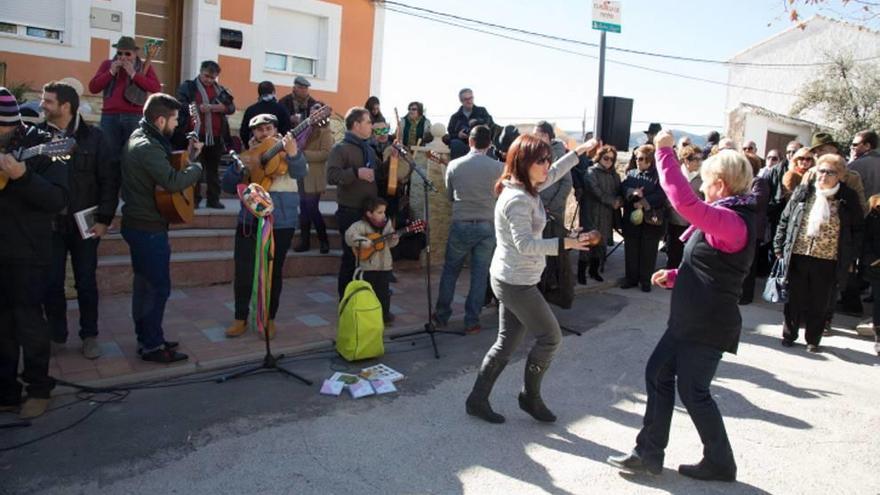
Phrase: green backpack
(361,328)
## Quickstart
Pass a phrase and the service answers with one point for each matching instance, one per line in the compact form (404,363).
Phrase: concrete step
(201,268)
(189,240)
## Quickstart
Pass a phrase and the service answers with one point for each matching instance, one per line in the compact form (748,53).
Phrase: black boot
(530,398)
(877,340)
(706,471)
(322,239)
(478,401)
(582,272)
(594,270)
(305,236)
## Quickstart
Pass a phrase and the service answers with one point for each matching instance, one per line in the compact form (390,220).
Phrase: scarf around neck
(821,210)
(364,145)
(206,118)
(729,202)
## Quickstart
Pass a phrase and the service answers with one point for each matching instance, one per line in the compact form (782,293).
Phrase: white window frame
(326,66)
(288,64)
(76,35)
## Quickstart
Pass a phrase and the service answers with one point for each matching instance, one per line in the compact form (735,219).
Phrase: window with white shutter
(41,19)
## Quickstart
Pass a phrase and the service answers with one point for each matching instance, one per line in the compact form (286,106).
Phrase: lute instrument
(56,150)
(264,161)
(179,207)
(378,240)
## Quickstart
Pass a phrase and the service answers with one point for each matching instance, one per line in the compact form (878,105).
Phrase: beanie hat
(9,114)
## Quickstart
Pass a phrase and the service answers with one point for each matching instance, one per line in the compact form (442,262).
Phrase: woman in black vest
(704,319)
(819,234)
(644,219)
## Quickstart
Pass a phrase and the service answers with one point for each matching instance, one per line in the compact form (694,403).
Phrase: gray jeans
(523,309)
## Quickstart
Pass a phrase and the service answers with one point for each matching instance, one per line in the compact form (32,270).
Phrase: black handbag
(776,289)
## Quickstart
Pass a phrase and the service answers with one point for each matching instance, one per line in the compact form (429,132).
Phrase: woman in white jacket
(516,270)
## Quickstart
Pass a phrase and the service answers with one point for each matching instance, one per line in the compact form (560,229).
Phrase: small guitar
(264,161)
(56,150)
(179,207)
(378,240)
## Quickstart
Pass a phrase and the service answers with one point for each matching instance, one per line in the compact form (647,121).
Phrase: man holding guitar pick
(145,165)
(33,191)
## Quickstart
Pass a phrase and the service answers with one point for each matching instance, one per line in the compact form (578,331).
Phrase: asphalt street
(798,422)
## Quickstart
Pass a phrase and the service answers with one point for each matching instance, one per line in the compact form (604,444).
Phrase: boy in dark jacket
(31,194)
(93,179)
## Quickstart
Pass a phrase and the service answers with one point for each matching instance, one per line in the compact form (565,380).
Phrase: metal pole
(597,129)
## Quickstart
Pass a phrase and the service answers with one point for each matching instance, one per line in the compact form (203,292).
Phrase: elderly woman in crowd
(644,219)
(819,235)
(602,203)
(516,268)
(691,158)
(416,128)
(704,319)
(802,161)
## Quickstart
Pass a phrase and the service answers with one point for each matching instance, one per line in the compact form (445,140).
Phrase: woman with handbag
(704,318)
(516,269)
(644,219)
(819,234)
(602,202)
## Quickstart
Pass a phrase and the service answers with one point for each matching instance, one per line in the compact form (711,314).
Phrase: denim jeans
(117,127)
(476,239)
(693,367)
(150,259)
(84,259)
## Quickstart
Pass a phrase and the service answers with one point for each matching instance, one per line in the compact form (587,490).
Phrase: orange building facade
(335,44)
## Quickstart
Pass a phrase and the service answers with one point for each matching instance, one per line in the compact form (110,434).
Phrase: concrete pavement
(798,422)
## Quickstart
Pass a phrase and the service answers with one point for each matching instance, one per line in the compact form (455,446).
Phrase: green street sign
(604,26)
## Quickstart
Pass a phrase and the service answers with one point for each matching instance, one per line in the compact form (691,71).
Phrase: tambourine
(256,199)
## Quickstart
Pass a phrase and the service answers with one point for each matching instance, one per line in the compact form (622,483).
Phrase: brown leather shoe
(237,329)
(33,408)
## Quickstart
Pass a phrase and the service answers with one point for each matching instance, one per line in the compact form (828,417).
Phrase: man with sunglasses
(121,112)
(866,161)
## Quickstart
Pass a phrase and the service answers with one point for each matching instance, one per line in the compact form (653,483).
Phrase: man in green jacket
(145,165)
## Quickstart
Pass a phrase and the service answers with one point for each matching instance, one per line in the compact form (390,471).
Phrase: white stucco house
(762,113)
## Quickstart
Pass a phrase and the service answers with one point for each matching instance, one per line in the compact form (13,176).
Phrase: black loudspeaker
(616,121)
(231,38)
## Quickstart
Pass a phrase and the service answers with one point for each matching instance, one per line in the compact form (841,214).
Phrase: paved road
(799,423)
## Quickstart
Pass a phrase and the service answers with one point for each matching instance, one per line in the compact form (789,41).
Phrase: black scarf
(370,159)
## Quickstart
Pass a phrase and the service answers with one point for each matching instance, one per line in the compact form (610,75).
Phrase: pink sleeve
(671,275)
(724,229)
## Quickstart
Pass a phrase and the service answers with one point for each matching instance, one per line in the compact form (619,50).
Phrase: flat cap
(263,118)
(301,81)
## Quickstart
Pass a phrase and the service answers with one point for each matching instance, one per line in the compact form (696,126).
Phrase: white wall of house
(757,126)
(794,46)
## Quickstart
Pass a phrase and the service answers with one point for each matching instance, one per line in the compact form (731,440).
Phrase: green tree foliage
(846,93)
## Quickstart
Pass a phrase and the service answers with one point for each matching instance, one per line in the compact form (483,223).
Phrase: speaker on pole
(616,121)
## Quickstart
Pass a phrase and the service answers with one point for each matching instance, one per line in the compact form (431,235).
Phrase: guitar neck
(274,150)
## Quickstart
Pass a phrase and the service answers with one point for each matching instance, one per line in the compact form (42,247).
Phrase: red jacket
(115,102)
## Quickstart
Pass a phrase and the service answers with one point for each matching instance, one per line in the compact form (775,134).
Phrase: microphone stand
(428,186)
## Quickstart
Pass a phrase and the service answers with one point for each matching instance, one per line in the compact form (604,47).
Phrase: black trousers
(345,217)
(689,367)
(245,255)
(84,260)
(674,246)
(640,253)
(23,328)
(381,280)
(748,287)
(810,286)
(210,160)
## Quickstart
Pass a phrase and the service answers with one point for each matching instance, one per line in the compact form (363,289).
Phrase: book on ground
(382,386)
(332,387)
(361,388)
(381,372)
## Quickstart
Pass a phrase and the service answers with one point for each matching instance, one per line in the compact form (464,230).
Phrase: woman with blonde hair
(704,318)
(820,234)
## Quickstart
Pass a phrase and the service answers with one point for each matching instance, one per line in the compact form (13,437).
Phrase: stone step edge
(195,233)
(196,256)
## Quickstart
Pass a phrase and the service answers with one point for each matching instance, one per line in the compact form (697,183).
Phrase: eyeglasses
(790,152)
(127,54)
(749,148)
(544,159)
(642,159)
(772,158)
(827,171)
(381,131)
(803,159)
(414,109)
(607,158)
(855,145)
(694,158)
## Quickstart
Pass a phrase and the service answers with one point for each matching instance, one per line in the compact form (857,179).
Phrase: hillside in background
(638,138)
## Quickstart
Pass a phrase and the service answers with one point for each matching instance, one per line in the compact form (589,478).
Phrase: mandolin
(179,207)
(264,161)
(56,150)
(378,240)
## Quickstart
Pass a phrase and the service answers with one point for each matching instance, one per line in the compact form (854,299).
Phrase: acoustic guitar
(179,207)
(56,150)
(378,240)
(264,161)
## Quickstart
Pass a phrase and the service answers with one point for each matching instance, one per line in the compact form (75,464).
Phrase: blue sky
(521,82)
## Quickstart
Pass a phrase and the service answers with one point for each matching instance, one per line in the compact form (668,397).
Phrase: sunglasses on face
(414,109)
(122,53)
(750,148)
(827,171)
(381,131)
(855,145)
(607,158)
(804,159)
(694,158)
(772,158)
(544,159)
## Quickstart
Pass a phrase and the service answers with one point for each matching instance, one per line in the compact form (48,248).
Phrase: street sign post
(606,18)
